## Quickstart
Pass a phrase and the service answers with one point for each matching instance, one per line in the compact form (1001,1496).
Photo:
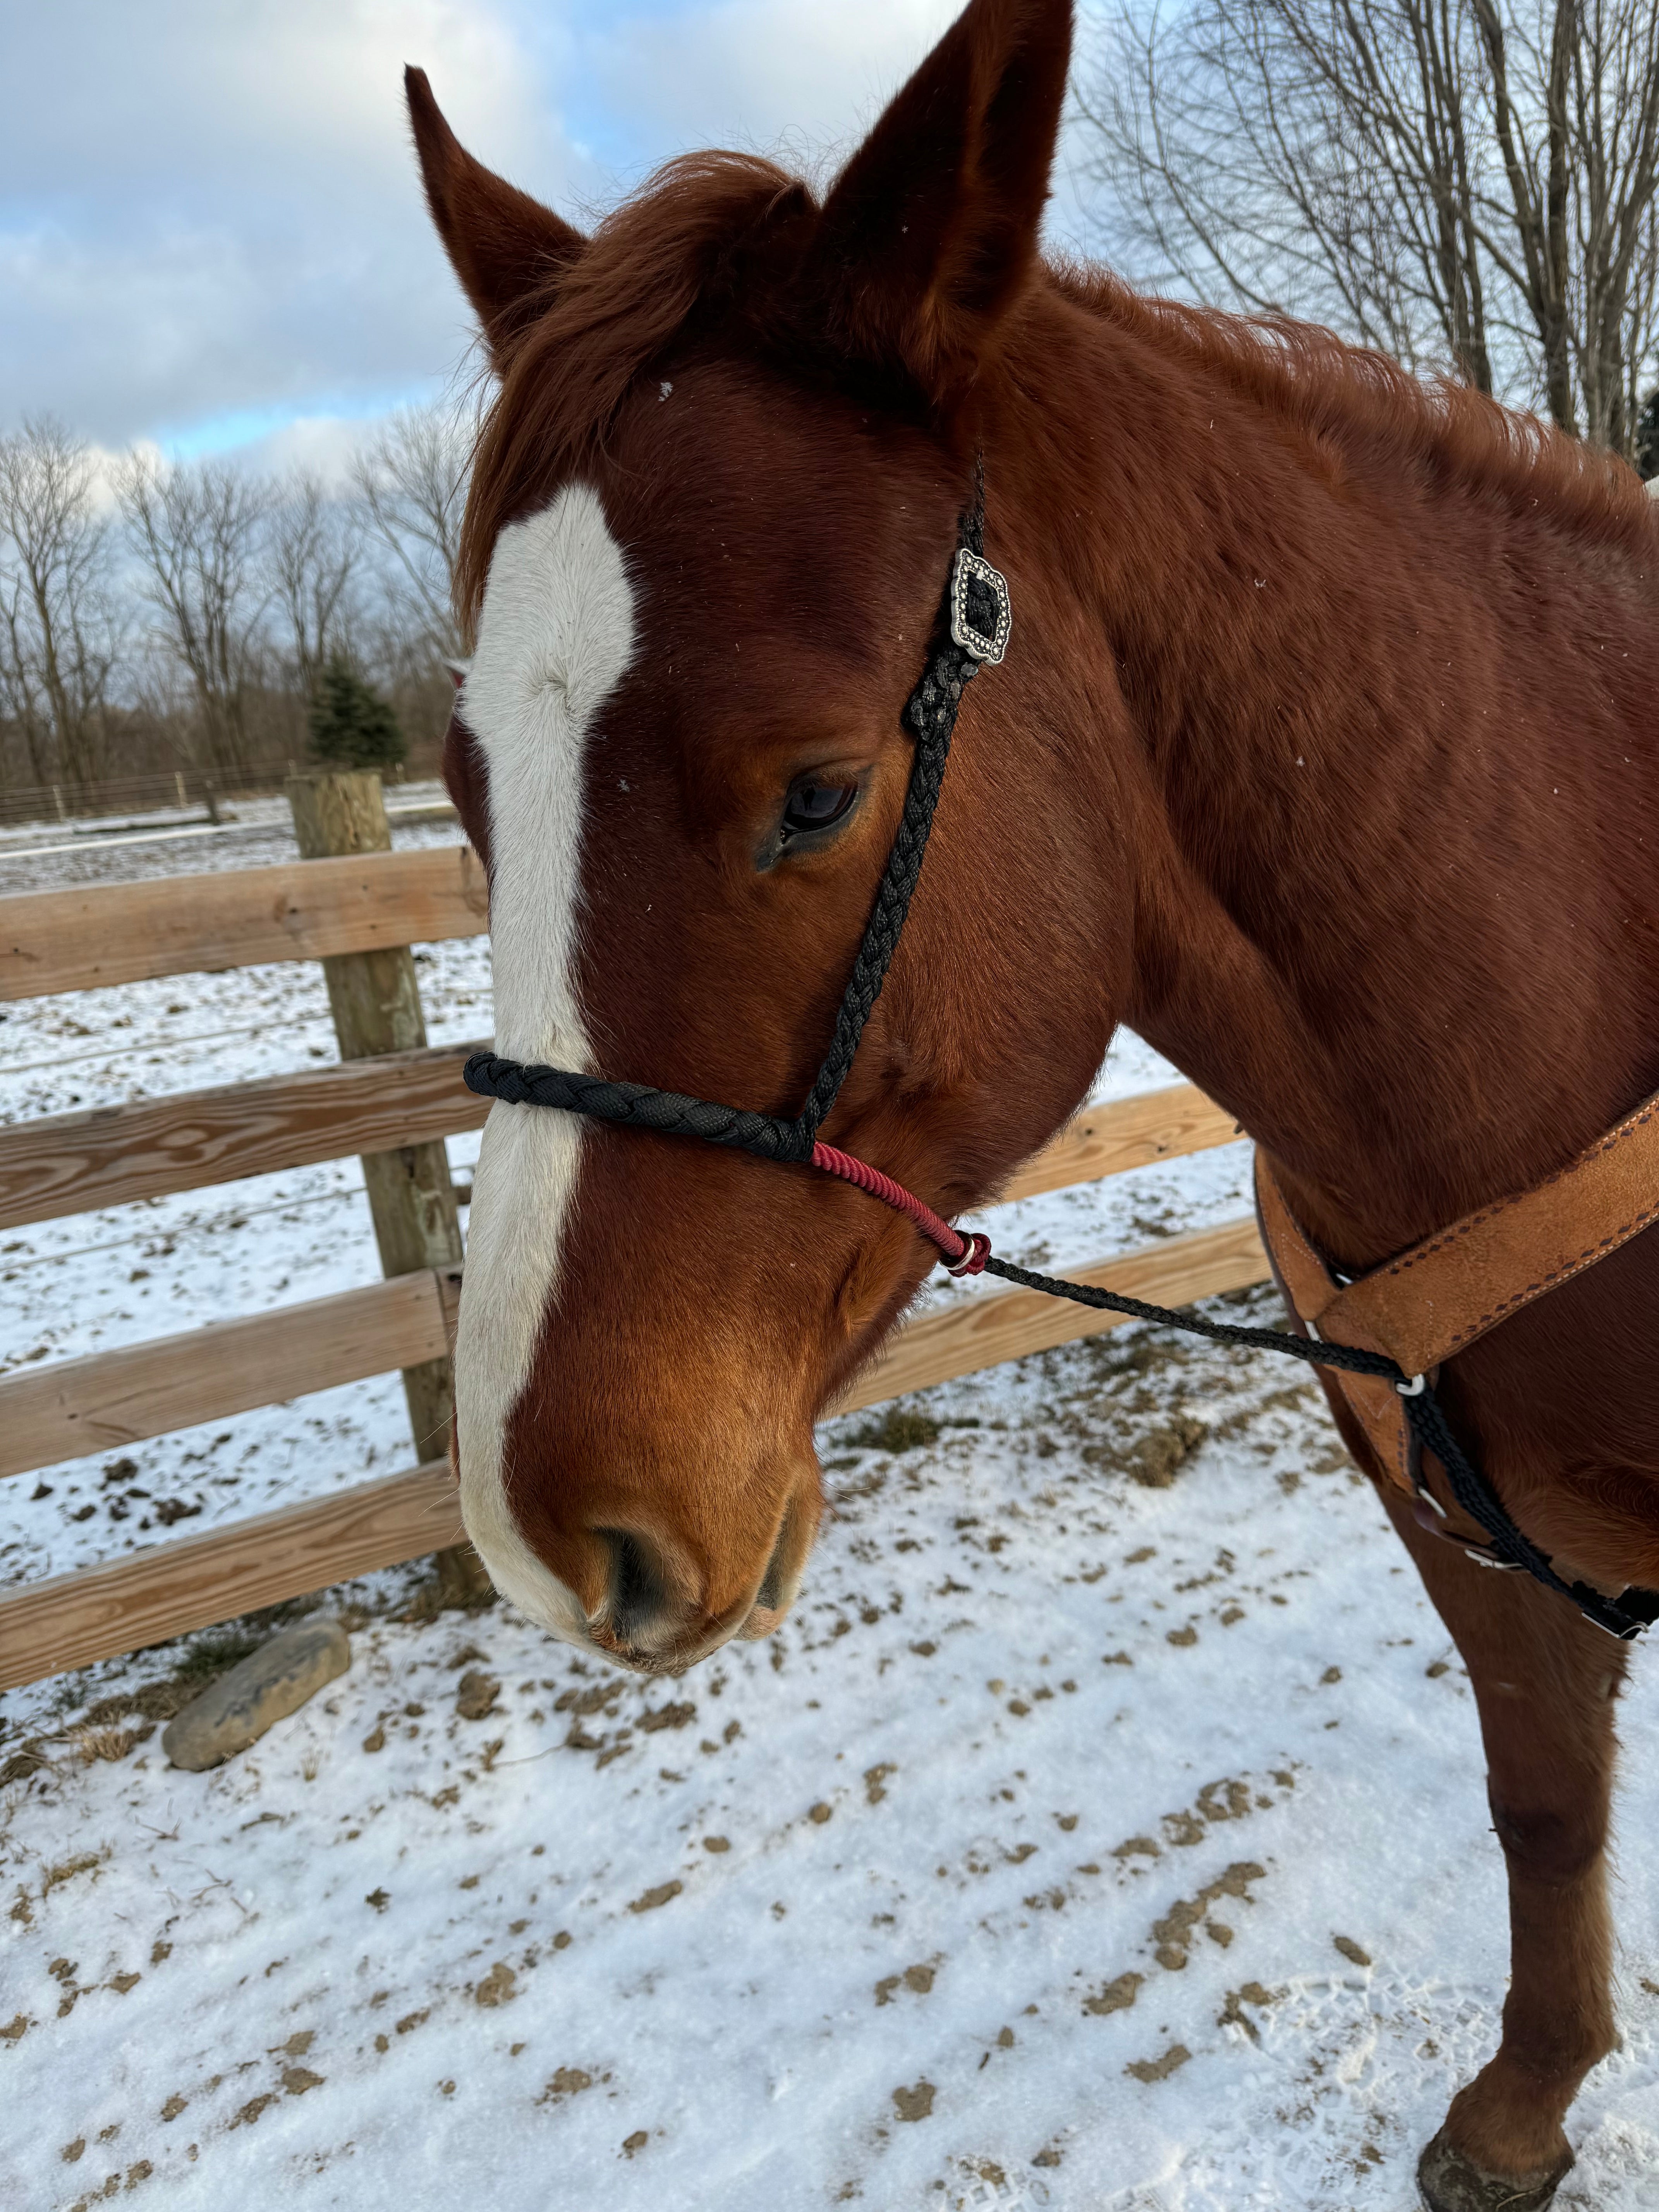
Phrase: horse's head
(712,512)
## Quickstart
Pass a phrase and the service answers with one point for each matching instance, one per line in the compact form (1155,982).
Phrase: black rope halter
(977,626)
(973,631)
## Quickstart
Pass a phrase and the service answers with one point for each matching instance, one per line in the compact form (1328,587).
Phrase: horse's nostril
(769,1595)
(636,1593)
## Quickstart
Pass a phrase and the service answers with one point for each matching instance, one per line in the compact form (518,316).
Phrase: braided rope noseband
(975,622)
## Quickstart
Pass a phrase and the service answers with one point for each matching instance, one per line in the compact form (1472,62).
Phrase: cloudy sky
(210,231)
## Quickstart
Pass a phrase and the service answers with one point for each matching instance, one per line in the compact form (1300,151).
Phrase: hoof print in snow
(662,1894)
(568,2082)
(916,2103)
(259,1691)
(497,1987)
(1159,2069)
(477,1694)
(1452,2183)
(1116,1996)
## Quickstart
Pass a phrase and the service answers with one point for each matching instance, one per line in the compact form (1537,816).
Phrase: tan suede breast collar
(1445,1292)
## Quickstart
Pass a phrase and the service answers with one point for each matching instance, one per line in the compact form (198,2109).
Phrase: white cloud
(224,212)
(211,230)
(291,91)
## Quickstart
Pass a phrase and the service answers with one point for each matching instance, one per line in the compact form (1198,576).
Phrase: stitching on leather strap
(1418,1253)
(1433,1319)
(1557,1276)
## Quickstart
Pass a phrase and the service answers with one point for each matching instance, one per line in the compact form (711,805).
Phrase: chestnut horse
(1324,755)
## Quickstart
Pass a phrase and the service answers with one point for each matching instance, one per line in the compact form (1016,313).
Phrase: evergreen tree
(351,725)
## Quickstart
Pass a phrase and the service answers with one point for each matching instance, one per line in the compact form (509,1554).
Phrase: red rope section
(963,1254)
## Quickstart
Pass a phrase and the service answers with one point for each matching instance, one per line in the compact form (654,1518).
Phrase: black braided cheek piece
(930,714)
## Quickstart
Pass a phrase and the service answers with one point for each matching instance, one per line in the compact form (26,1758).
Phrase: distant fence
(190,789)
(61,1163)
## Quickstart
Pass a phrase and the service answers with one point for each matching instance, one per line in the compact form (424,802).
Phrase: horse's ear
(930,229)
(507,249)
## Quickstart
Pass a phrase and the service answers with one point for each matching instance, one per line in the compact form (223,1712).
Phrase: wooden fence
(62,1164)
(185,787)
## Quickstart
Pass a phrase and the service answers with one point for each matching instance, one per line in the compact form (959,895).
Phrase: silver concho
(968,567)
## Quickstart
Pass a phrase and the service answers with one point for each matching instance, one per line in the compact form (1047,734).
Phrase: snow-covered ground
(1106,1827)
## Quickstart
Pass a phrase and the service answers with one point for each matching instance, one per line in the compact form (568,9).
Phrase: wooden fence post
(376,1004)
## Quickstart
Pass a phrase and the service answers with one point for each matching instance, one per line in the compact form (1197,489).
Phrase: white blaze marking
(555,635)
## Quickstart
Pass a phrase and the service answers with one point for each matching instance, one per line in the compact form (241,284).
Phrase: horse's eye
(816,806)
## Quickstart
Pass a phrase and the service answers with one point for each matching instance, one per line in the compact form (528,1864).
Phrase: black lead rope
(1625,1617)
(973,628)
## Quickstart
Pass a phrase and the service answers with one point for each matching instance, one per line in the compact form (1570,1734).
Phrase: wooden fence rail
(59,1163)
(98,1613)
(111,1399)
(83,939)
(56,1165)
(117,1398)
(171,1589)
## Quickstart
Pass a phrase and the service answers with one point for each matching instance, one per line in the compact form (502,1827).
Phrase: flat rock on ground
(259,1691)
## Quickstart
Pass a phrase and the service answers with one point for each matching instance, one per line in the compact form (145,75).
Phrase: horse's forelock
(704,229)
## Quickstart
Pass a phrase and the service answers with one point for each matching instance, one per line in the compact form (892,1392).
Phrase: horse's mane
(703,225)
(649,266)
(1439,431)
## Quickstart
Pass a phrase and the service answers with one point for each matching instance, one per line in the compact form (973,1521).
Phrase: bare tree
(1468,184)
(411,486)
(59,628)
(193,620)
(197,531)
(312,551)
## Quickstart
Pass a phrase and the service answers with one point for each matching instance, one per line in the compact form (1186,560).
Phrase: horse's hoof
(1452,2183)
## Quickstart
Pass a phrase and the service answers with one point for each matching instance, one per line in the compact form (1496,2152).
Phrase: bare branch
(314,549)
(411,487)
(196,531)
(1470,184)
(59,629)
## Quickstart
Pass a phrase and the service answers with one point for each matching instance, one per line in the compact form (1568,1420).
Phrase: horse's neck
(1377,914)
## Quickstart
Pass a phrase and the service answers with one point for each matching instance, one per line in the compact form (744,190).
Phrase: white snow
(957,1793)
